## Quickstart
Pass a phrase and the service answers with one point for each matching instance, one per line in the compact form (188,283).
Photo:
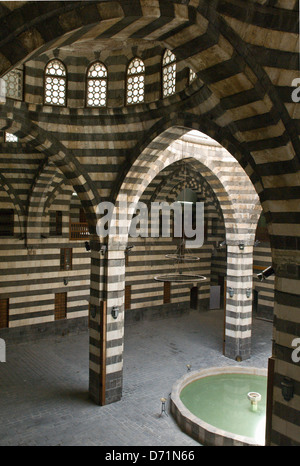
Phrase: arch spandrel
(59,156)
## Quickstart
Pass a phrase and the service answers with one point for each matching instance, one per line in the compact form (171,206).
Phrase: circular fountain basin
(213,405)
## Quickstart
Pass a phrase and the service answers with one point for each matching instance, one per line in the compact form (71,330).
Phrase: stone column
(285,430)
(238,319)
(106,327)
(97,326)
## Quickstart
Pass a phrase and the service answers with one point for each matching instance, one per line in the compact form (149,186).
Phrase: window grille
(60,306)
(14,84)
(135,82)
(192,76)
(96,85)
(66,259)
(55,83)
(9,137)
(168,73)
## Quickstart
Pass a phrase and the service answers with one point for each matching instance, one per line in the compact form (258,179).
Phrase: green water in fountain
(221,400)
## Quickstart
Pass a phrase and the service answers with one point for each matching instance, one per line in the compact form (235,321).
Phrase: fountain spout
(254,397)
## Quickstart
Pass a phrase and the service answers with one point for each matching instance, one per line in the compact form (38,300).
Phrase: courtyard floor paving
(44,386)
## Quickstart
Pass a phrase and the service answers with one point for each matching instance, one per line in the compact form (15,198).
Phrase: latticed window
(135,82)
(192,76)
(55,83)
(168,73)
(14,84)
(96,85)
(9,137)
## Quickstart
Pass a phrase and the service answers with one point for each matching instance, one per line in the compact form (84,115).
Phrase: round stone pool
(214,407)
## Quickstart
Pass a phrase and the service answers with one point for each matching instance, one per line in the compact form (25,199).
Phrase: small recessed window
(127,303)
(96,85)
(14,84)
(135,82)
(9,137)
(6,222)
(192,76)
(60,306)
(66,259)
(55,83)
(167,292)
(4,312)
(168,73)
(56,223)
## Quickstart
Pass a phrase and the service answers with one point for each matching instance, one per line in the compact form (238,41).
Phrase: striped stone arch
(241,207)
(176,180)
(165,150)
(17,203)
(217,27)
(175,125)
(171,181)
(160,154)
(224,60)
(247,59)
(42,190)
(191,177)
(225,55)
(172,185)
(60,157)
(57,188)
(197,184)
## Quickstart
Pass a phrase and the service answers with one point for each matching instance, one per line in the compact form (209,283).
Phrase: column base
(238,349)
(114,385)
(113,391)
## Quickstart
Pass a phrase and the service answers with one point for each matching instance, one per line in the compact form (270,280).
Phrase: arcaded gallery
(150,223)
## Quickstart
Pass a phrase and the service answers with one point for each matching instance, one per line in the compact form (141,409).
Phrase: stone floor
(44,386)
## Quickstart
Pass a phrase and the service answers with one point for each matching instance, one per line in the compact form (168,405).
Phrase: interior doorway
(194,298)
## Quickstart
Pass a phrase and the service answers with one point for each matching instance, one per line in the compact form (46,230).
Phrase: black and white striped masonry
(245,56)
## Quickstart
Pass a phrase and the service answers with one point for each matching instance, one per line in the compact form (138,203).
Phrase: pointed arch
(61,157)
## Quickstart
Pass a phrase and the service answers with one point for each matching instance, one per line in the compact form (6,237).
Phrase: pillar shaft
(238,319)
(285,430)
(106,332)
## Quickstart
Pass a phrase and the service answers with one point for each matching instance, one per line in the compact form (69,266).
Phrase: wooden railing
(79,231)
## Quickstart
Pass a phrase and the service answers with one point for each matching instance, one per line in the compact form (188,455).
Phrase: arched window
(168,73)
(55,83)
(96,86)
(135,82)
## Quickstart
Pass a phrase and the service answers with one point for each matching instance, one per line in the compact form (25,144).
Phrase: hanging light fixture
(180,257)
